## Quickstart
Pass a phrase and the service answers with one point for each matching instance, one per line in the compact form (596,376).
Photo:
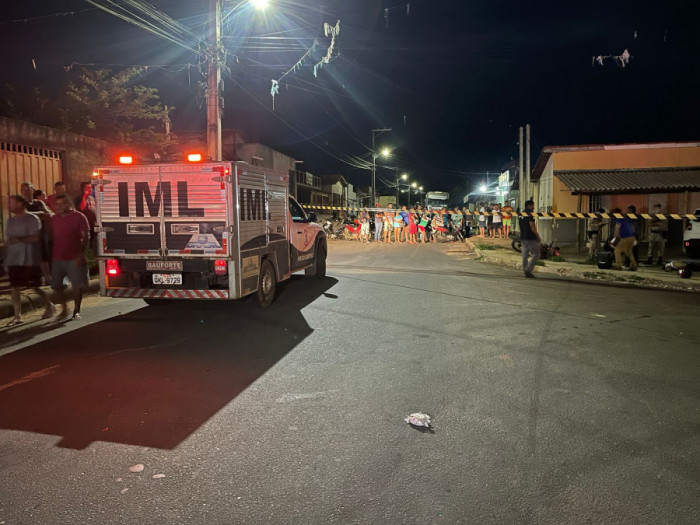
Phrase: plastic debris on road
(136,468)
(158,476)
(418,419)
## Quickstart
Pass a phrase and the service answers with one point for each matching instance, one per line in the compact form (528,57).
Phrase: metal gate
(19,163)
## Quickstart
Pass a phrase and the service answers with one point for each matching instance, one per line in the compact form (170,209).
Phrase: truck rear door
(164,210)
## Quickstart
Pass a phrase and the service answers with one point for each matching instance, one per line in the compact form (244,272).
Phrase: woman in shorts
(388,225)
(398,226)
(412,226)
(364,225)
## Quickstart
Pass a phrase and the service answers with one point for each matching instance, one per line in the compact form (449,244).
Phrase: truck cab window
(297,213)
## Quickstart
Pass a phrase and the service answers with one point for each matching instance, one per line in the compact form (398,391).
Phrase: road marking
(30,377)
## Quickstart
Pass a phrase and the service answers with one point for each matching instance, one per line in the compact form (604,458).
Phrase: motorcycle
(334,229)
(547,251)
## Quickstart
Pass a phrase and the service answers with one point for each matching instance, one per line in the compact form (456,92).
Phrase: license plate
(167,266)
(167,278)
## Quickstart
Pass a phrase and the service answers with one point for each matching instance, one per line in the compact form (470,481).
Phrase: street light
(260,4)
(374,163)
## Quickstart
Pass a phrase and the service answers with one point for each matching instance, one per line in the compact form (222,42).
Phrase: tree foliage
(101,103)
(114,107)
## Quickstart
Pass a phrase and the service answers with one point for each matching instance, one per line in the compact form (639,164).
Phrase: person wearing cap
(658,232)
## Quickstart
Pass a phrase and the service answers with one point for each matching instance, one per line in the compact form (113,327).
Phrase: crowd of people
(410,225)
(419,225)
(46,240)
(422,225)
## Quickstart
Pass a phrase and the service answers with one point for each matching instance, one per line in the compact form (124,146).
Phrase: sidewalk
(31,300)
(499,251)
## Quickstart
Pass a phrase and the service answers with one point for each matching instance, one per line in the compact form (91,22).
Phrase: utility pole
(374,166)
(521,178)
(527,159)
(213,82)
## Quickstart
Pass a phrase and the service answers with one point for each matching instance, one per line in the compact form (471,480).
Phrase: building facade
(588,177)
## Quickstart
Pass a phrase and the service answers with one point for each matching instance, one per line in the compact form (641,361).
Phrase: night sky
(453,79)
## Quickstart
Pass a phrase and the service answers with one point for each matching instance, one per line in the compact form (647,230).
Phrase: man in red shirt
(58,189)
(71,236)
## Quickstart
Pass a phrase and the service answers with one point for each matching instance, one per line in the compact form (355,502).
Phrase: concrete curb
(31,300)
(592,274)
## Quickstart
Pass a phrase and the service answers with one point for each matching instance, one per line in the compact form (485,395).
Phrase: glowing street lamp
(385,152)
(260,4)
(482,188)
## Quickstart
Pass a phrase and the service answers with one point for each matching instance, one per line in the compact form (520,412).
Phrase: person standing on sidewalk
(594,229)
(41,210)
(482,219)
(507,219)
(87,205)
(623,241)
(378,224)
(530,239)
(71,237)
(658,232)
(23,235)
(497,222)
(637,229)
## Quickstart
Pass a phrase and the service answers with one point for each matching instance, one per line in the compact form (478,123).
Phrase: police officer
(658,232)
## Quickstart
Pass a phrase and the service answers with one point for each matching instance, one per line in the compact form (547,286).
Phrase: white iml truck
(214,230)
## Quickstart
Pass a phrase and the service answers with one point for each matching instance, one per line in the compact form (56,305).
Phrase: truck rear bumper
(166,294)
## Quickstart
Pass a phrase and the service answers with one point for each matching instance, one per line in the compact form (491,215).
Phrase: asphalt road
(553,402)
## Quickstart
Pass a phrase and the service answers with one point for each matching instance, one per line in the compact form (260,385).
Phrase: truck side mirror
(311,216)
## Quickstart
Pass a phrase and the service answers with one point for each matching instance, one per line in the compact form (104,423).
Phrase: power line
(52,15)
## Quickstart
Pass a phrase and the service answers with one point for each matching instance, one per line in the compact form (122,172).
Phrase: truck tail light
(112,267)
(687,244)
(220,266)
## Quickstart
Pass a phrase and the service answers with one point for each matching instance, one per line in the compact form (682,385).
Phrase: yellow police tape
(554,215)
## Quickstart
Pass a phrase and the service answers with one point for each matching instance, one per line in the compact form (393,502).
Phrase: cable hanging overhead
(329,31)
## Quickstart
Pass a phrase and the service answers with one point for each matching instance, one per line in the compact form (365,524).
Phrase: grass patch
(484,246)
(558,258)
(540,262)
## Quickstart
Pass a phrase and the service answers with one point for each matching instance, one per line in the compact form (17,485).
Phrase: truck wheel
(321,263)
(318,269)
(267,285)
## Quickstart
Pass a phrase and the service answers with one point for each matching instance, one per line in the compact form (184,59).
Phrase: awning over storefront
(652,180)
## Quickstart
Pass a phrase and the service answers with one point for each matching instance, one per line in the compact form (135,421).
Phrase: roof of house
(332,179)
(631,180)
(547,151)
